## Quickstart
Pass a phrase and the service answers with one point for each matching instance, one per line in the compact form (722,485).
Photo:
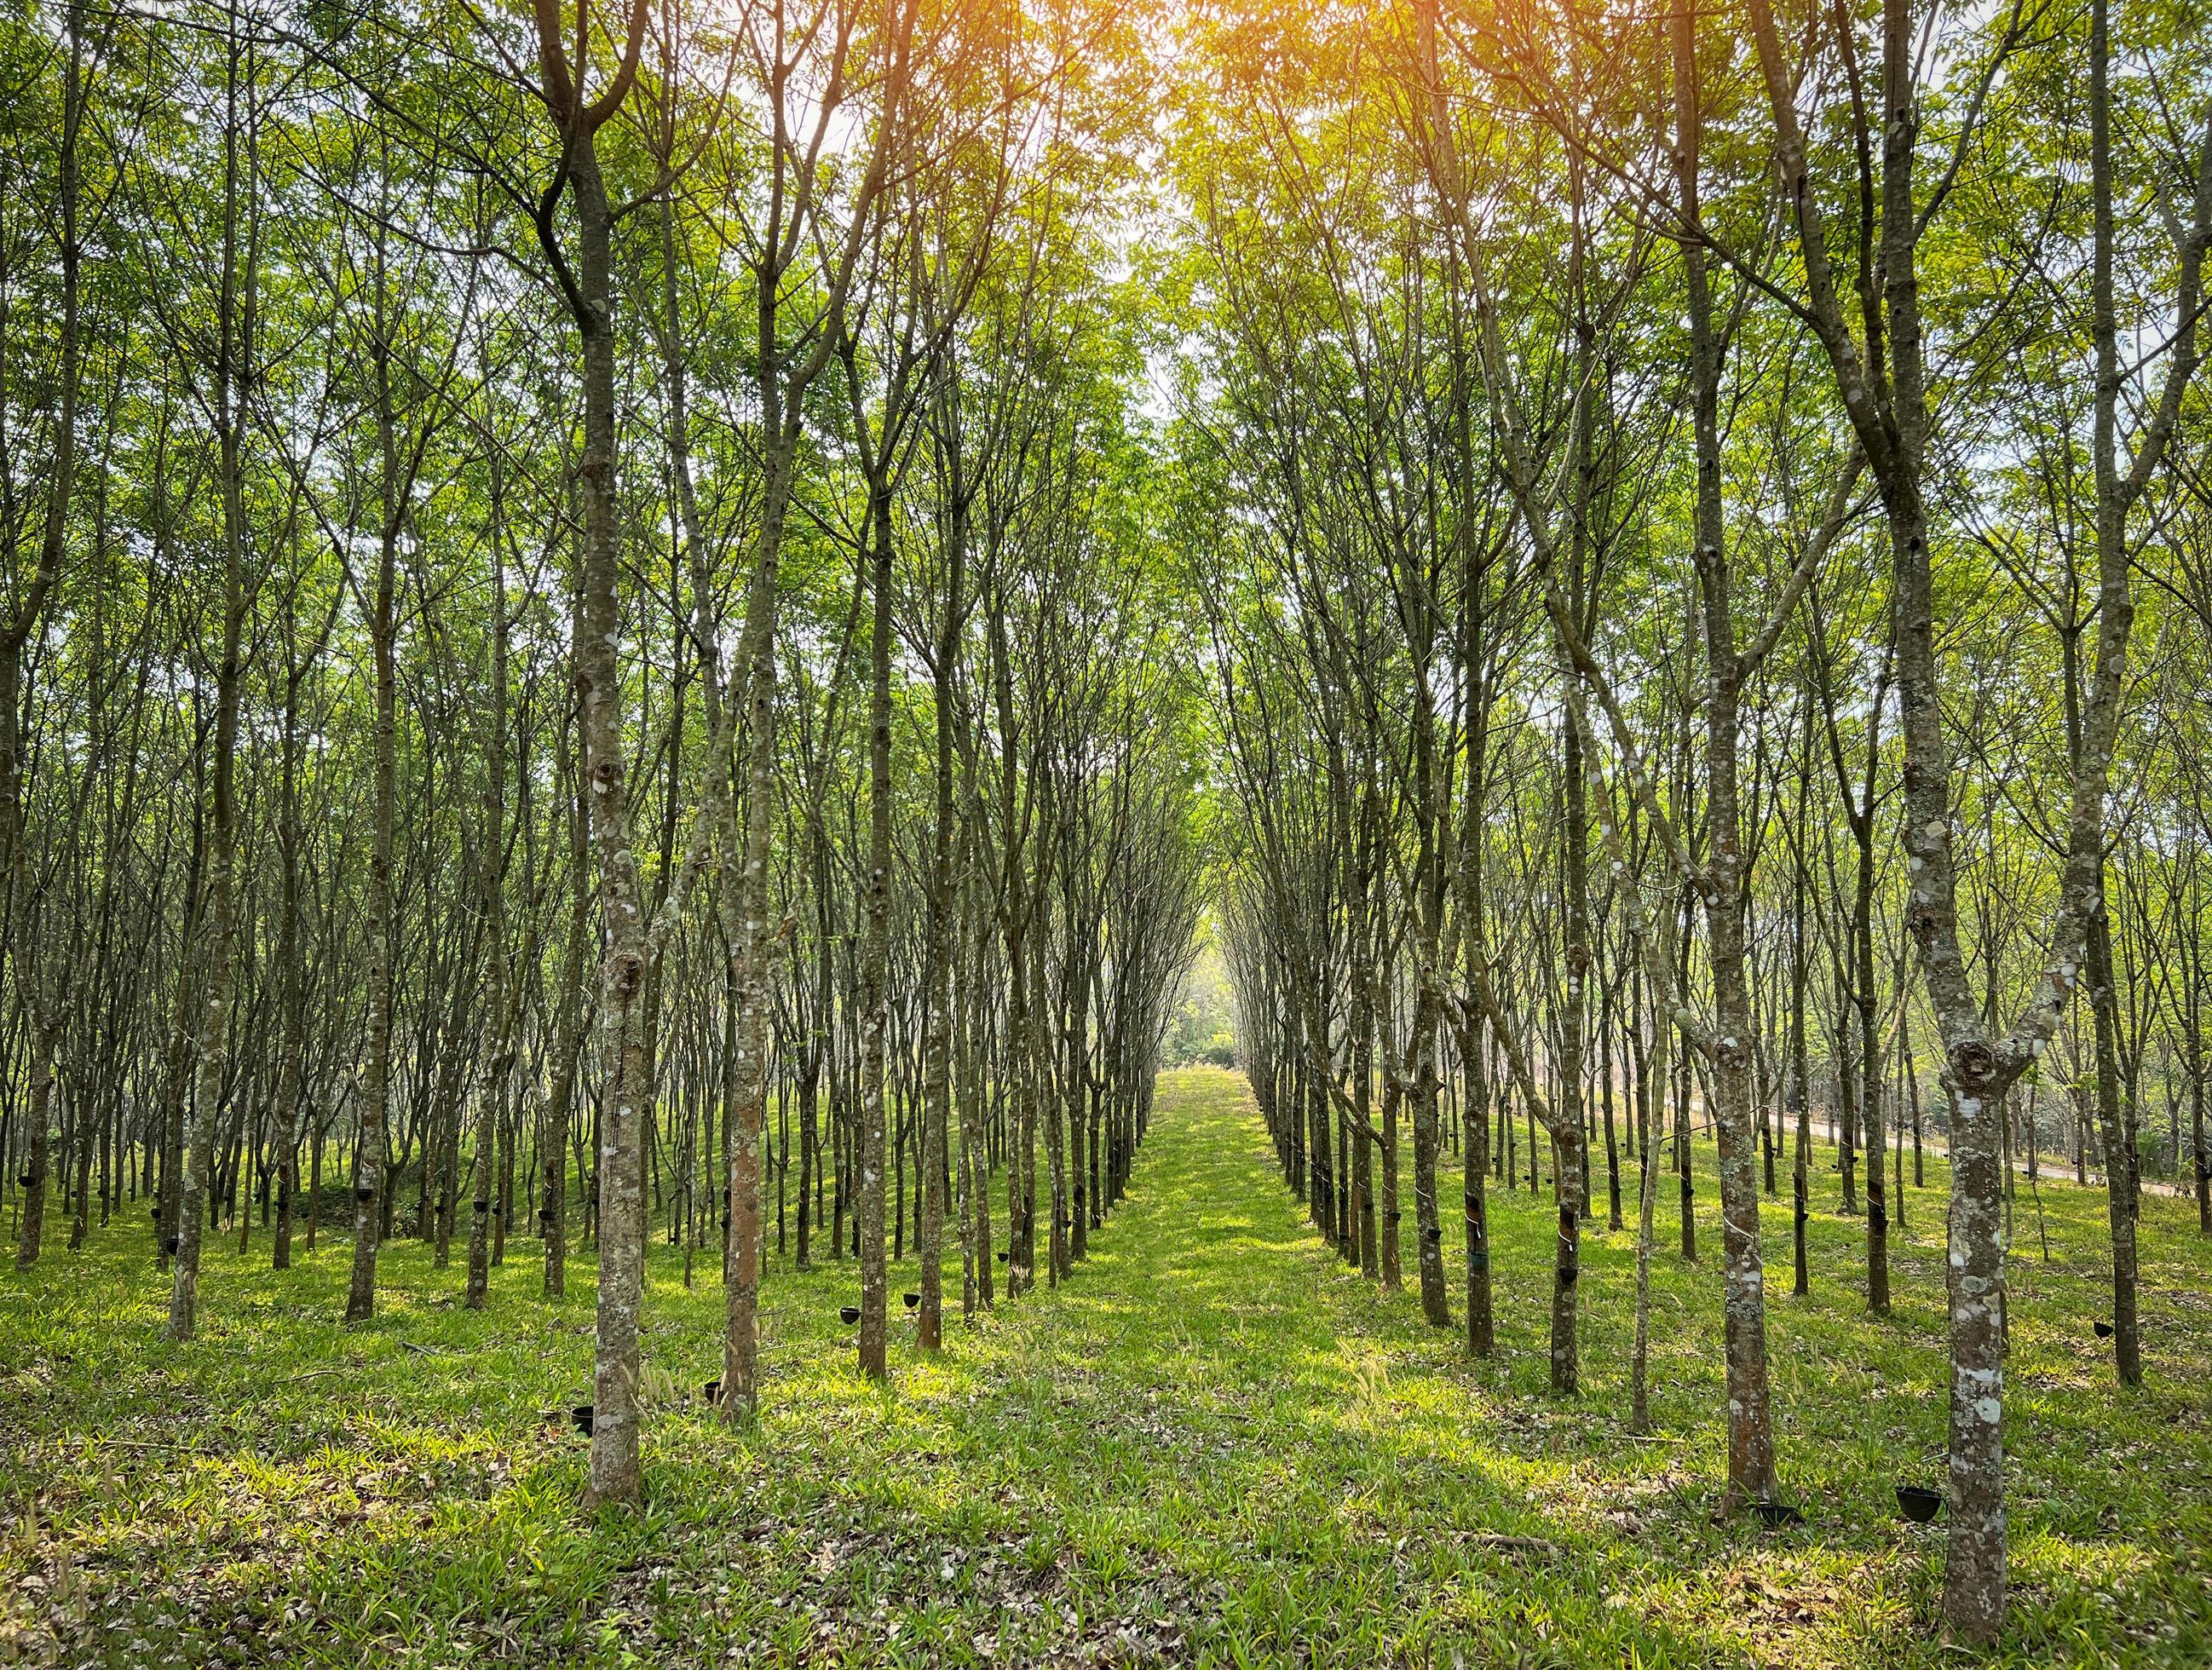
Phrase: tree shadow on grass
(1213,1440)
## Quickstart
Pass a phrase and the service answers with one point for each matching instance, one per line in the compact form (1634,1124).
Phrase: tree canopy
(623,627)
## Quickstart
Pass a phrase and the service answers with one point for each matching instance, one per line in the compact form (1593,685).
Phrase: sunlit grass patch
(1213,1446)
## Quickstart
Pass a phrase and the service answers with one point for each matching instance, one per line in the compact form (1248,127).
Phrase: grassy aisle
(1215,1446)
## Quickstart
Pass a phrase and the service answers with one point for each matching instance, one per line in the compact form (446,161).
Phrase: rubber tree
(587,285)
(1881,380)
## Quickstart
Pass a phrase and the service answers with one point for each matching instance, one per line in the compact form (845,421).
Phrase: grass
(1216,1446)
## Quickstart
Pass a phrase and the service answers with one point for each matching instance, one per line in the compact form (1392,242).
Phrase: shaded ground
(1216,1446)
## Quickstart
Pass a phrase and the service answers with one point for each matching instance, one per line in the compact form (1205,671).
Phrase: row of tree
(1713,612)
(573,575)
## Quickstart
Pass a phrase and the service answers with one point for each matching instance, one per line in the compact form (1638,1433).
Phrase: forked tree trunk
(1750,1419)
(627,1092)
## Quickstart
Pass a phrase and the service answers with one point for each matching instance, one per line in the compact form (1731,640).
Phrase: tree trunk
(876,947)
(235,313)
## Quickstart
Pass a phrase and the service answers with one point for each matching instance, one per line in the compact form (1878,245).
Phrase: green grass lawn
(1215,1446)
